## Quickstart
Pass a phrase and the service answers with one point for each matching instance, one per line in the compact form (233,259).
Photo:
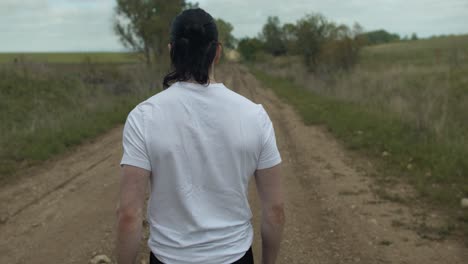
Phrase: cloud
(84,25)
(57,25)
(12,6)
(426,17)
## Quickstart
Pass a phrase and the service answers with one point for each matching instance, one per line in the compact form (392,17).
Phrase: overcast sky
(86,25)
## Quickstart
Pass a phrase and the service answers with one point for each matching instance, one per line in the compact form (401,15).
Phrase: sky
(86,25)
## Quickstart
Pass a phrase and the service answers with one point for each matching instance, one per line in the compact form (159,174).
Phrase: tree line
(143,26)
(322,44)
(382,36)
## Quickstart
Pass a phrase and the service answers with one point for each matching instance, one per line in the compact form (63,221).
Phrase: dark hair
(194,39)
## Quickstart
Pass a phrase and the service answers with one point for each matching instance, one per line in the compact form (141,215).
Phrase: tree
(414,36)
(249,48)
(143,25)
(341,48)
(190,5)
(312,32)
(225,33)
(272,36)
(380,37)
(290,38)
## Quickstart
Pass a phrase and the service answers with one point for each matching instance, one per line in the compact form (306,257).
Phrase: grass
(46,110)
(58,57)
(408,100)
(437,170)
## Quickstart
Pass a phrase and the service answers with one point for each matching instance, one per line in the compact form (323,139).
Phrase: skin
(134,185)
(270,191)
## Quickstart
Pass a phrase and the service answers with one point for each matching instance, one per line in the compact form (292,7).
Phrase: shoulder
(245,102)
(263,118)
(241,100)
(254,111)
(140,110)
(145,108)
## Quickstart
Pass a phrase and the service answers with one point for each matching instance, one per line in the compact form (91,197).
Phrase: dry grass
(47,108)
(432,95)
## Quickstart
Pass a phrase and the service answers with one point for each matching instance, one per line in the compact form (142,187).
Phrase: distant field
(440,50)
(96,57)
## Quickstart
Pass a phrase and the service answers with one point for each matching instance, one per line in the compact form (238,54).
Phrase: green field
(97,57)
(402,106)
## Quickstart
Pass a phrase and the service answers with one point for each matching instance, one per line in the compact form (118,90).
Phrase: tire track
(60,186)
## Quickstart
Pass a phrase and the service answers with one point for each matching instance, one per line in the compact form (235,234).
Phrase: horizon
(130,51)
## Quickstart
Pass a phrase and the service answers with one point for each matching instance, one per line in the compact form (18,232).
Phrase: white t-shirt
(202,145)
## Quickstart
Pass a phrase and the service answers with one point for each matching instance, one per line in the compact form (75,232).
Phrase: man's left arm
(133,186)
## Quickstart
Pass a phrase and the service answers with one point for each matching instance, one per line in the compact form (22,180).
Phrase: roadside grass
(70,57)
(420,88)
(417,79)
(45,112)
(437,170)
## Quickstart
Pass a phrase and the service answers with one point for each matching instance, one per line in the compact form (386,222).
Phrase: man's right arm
(268,182)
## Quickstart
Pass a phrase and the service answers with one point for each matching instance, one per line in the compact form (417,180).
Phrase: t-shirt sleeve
(134,146)
(269,154)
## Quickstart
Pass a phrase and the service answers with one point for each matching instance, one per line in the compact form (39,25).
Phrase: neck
(211,77)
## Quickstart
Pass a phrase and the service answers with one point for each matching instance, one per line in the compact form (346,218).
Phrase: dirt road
(64,212)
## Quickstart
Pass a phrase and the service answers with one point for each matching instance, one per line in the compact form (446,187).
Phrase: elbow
(128,219)
(275,215)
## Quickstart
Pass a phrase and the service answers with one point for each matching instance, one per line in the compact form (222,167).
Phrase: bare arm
(269,188)
(132,197)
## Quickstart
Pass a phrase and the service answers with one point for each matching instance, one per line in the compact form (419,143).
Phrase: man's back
(202,144)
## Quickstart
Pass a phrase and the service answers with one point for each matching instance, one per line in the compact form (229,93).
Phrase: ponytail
(194,41)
